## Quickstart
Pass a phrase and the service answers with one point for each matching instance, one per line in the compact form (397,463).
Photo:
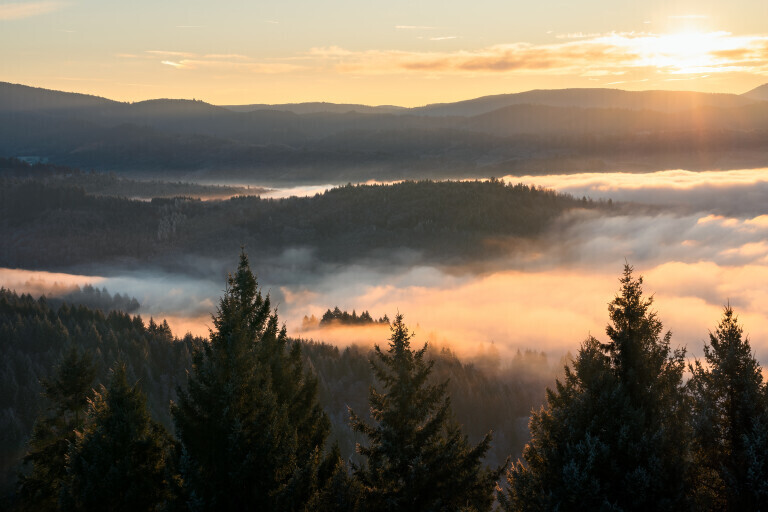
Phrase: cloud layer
(574,54)
(694,258)
(623,56)
(737,192)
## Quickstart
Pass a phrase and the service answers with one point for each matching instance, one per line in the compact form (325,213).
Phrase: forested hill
(439,222)
(34,335)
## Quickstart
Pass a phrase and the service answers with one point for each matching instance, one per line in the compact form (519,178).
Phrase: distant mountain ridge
(570,129)
(758,93)
(662,101)
(16,97)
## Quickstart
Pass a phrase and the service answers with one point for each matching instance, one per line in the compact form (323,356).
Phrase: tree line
(339,317)
(621,430)
(36,332)
(110,184)
(434,221)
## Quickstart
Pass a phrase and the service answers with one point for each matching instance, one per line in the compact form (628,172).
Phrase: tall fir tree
(417,458)
(67,393)
(613,433)
(122,460)
(250,424)
(730,422)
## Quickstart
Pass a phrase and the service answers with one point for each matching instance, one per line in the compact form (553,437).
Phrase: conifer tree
(417,458)
(612,435)
(121,460)
(730,422)
(250,425)
(67,393)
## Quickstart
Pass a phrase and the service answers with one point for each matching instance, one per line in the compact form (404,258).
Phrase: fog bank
(703,242)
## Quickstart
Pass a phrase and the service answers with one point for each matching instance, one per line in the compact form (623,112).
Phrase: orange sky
(398,52)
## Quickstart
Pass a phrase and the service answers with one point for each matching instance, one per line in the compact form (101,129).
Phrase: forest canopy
(438,222)
(619,430)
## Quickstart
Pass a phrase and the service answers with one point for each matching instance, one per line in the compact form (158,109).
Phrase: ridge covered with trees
(439,222)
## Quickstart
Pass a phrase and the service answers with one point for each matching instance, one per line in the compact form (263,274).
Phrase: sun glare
(687,52)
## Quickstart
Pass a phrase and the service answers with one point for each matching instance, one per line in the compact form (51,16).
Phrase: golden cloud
(579,54)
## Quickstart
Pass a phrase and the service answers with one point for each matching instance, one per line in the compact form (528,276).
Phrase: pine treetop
(417,458)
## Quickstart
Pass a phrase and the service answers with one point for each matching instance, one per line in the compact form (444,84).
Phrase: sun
(684,53)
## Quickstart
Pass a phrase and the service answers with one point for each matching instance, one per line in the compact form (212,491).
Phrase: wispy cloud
(495,59)
(578,54)
(172,64)
(20,10)
(230,62)
(611,58)
(169,53)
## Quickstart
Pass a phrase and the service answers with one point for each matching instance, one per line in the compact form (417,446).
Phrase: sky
(406,53)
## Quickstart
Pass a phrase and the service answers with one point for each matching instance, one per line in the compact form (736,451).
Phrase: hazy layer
(692,264)
(735,192)
(186,302)
(709,249)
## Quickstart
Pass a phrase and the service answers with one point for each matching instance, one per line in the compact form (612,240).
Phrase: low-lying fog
(704,243)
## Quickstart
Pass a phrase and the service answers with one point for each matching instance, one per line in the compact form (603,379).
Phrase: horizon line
(379,105)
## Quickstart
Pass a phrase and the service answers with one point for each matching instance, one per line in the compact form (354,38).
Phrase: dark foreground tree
(417,459)
(67,393)
(730,422)
(250,425)
(612,435)
(122,460)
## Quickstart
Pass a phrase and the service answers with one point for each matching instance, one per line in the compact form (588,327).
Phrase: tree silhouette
(122,460)
(417,458)
(613,433)
(730,422)
(250,425)
(67,392)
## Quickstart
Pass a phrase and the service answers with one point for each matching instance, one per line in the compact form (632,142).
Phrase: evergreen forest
(102,410)
(54,218)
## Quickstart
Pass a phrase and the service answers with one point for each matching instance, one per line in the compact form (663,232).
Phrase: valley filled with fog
(698,238)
